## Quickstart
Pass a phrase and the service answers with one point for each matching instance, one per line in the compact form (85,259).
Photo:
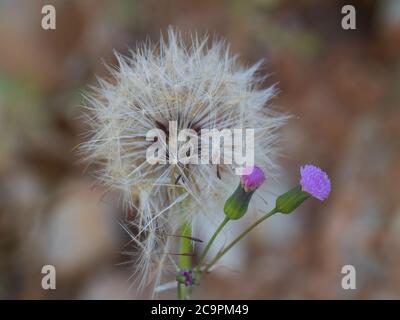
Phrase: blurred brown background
(342,86)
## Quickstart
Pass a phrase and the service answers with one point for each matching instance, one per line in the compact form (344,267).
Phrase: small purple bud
(186,277)
(315,182)
(252,178)
(237,204)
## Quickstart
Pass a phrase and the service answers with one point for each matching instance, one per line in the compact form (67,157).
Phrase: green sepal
(289,201)
(236,205)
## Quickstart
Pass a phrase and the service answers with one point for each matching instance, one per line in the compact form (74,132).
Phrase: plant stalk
(211,241)
(185,259)
(240,237)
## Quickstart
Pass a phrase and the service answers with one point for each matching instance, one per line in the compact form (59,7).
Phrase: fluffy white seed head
(201,86)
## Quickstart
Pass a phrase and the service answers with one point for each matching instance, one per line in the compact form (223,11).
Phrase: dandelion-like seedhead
(200,86)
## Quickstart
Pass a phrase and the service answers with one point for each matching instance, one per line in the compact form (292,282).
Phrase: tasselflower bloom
(237,204)
(252,178)
(315,182)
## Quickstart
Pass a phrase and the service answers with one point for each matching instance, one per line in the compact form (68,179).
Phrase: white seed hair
(199,85)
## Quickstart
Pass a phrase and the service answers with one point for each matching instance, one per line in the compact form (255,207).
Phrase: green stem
(240,237)
(185,260)
(209,244)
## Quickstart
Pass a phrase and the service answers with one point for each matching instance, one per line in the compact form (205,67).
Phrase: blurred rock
(78,231)
(108,285)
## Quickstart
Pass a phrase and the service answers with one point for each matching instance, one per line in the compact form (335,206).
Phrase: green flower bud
(237,204)
(290,200)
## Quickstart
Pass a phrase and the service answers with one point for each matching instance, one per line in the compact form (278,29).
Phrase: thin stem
(240,237)
(185,261)
(211,241)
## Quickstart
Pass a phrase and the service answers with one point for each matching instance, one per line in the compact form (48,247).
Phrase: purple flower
(315,182)
(188,277)
(252,178)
